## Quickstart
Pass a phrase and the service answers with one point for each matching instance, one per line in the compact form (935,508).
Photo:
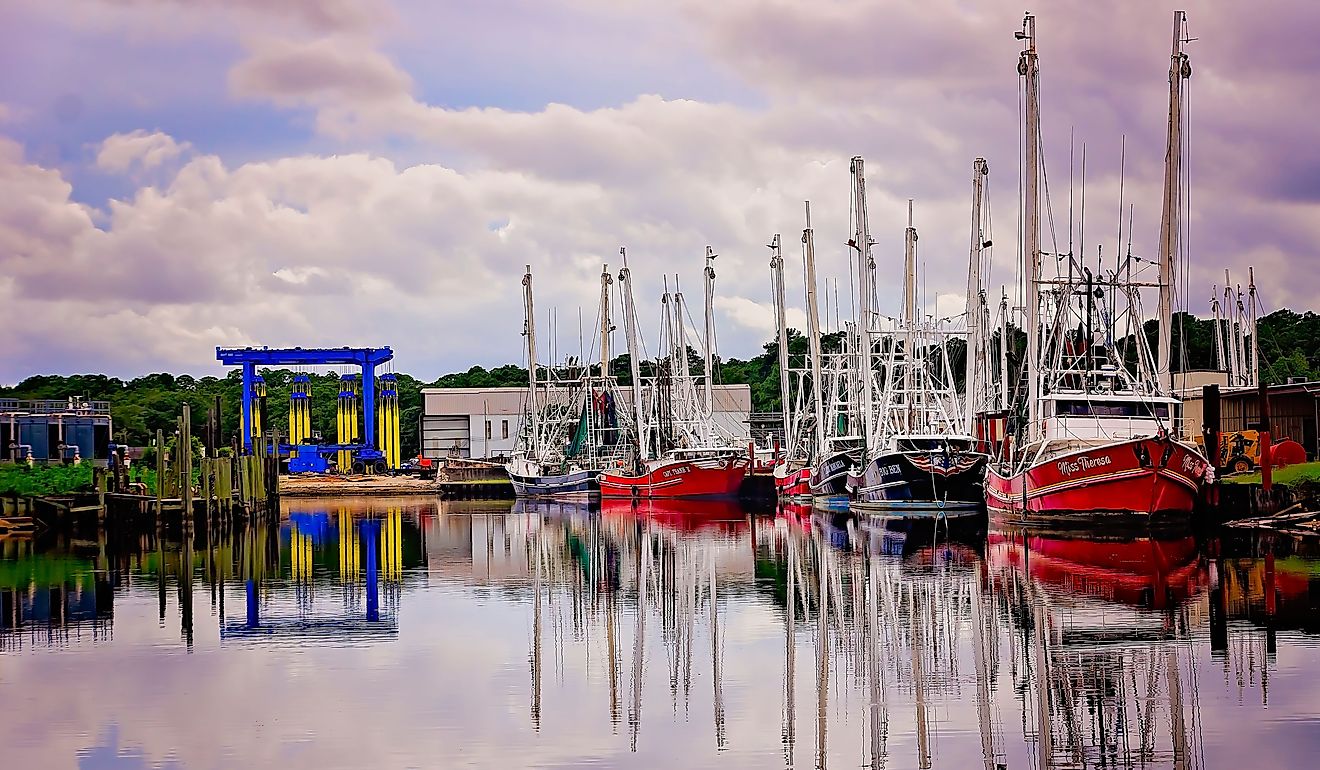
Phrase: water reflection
(639,634)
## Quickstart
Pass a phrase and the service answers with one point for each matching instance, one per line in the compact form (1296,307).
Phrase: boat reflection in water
(1106,629)
(646,635)
(1082,652)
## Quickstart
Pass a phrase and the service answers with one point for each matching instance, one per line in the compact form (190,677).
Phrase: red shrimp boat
(1149,477)
(792,483)
(1100,439)
(681,473)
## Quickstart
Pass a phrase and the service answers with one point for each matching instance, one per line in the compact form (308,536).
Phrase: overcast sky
(181,174)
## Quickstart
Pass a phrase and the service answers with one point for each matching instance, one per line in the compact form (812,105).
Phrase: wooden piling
(160,470)
(1211,429)
(185,458)
(1266,465)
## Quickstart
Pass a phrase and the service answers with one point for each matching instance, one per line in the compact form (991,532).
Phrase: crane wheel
(1240,464)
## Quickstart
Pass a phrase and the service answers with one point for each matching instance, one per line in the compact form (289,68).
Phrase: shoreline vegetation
(1289,475)
(1289,346)
(57,480)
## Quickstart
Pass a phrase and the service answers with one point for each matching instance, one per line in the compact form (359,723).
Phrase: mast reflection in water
(404,632)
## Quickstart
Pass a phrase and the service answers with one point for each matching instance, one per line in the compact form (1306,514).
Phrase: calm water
(408,633)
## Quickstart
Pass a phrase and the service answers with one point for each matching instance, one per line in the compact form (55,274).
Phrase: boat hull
(829,480)
(576,485)
(922,484)
(1140,481)
(713,477)
(793,484)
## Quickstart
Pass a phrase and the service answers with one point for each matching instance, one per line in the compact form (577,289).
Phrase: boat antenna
(1071,131)
(1081,214)
(1122,177)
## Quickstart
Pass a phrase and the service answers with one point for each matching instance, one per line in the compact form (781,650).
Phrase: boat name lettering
(1083,463)
(890,470)
(679,471)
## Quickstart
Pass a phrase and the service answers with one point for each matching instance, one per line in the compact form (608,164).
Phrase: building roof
(1310,387)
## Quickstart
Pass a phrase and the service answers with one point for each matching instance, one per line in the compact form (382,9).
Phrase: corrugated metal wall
(1292,415)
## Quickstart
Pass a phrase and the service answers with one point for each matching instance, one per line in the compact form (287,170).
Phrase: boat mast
(634,364)
(710,337)
(1233,333)
(813,327)
(777,273)
(605,327)
(1170,220)
(1220,360)
(1252,310)
(910,322)
(862,242)
(665,374)
(1029,68)
(680,337)
(976,358)
(529,331)
(1003,348)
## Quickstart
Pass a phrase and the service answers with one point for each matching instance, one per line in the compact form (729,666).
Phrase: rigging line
(1081,214)
(1020,284)
(1122,178)
(1071,132)
(1049,208)
(988,233)
(1185,202)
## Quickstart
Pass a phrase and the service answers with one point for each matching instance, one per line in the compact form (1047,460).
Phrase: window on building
(488,430)
(504,429)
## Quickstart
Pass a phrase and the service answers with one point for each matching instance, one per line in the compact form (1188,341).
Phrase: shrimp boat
(1099,438)
(680,451)
(924,461)
(574,426)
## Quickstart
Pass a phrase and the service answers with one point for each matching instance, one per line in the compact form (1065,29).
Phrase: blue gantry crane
(303,455)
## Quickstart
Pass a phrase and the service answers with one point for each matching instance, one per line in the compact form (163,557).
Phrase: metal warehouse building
(54,431)
(483,423)
(1294,412)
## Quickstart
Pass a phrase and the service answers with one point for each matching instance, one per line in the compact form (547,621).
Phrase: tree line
(1289,348)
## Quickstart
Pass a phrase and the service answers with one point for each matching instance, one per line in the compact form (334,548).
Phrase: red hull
(1139,572)
(679,515)
(793,484)
(714,477)
(1148,477)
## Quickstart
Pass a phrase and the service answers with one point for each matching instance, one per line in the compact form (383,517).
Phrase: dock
(366,485)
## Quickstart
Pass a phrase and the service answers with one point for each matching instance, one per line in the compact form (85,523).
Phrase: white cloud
(950,305)
(758,317)
(407,222)
(138,150)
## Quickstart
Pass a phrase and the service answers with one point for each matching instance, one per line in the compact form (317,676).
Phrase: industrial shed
(483,423)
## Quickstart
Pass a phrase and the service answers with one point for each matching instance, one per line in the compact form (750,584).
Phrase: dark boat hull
(829,480)
(922,484)
(578,484)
